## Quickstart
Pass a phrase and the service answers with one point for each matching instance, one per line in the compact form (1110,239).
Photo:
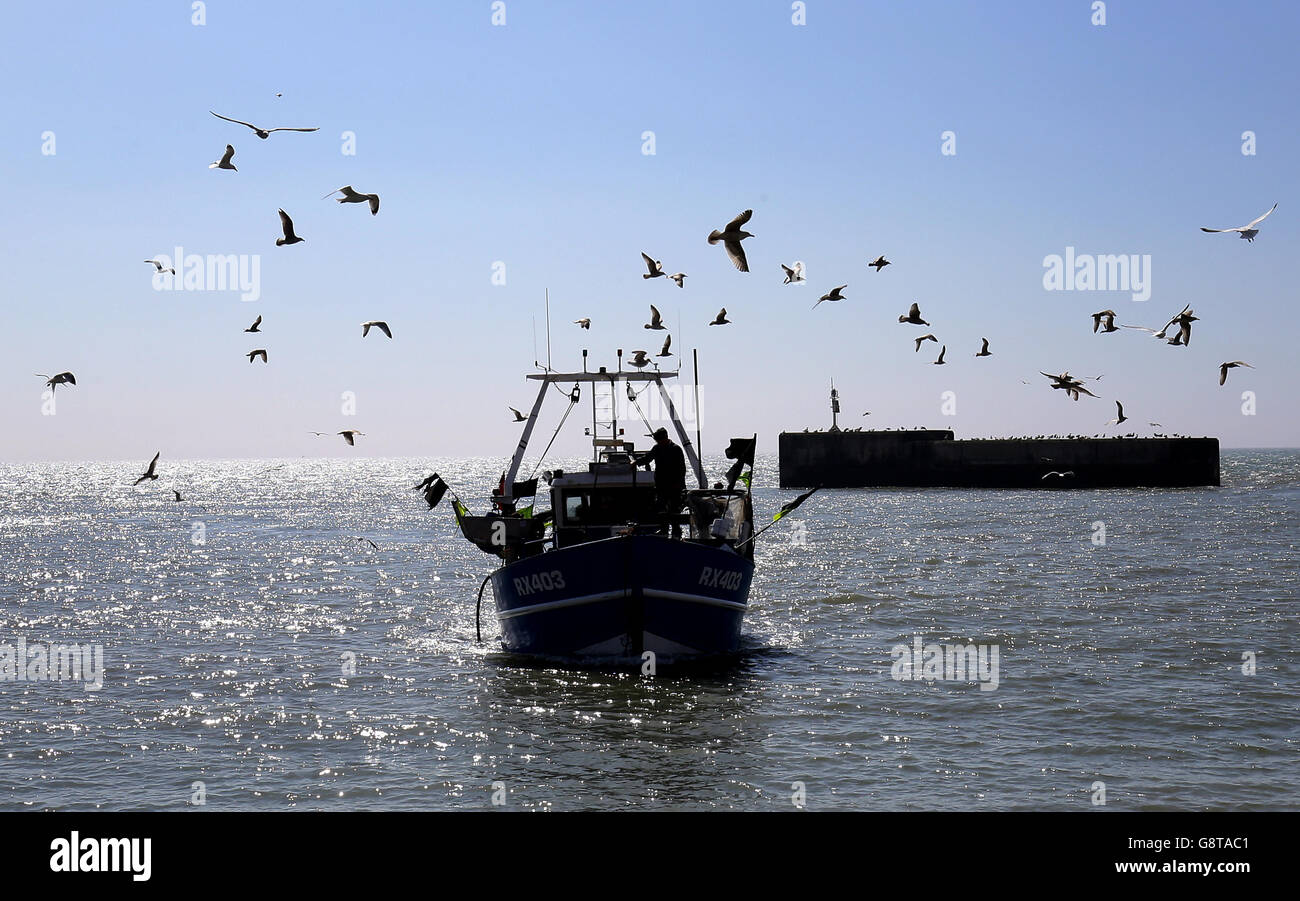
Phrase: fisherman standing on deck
(670,476)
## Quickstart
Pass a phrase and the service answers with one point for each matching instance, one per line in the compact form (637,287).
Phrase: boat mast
(548,329)
(835,408)
(699,442)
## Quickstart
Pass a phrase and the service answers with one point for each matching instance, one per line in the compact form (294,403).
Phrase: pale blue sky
(523,144)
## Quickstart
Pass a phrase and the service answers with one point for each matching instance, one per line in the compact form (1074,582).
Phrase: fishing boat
(606,572)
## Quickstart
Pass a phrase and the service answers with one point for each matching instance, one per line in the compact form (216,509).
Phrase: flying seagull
(833,295)
(1109,316)
(257,353)
(178,495)
(54,381)
(256,326)
(150,473)
(943,350)
(925,338)
(665,352)
(583,323)
(1059,475)
(286,224)
(262,133)
(377,323)
(721,318)
(656,321)
(519,417)
(224,162)
(731,236)
(351,196)
(680,278)
(158,267)
(1224,367)
(1068,383)
(349,435)
(913,316)
(879,262)
(363,538)
(792,275)
(639,359)
(656,267)
(1121,418)
(1247,231)
(984,351)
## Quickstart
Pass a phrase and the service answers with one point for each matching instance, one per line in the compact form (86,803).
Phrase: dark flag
(434,488)
(524,489)
(742,451)
(434,493)
(794,504)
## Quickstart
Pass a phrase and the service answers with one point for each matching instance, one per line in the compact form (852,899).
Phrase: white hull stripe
(694,598)
(620,593)
(566,602)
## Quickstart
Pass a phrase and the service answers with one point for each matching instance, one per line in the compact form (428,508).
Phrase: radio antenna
(548,329)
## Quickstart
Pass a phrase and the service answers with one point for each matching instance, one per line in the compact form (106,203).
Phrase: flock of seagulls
(289,236)
(731,237)
(1176,332)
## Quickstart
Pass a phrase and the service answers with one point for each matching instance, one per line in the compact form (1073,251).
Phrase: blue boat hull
(623,596)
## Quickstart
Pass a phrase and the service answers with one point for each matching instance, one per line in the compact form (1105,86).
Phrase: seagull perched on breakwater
(1247,231)
(351,196)
(656,321)
(150,473)
(1224,367)
(656,266)
(731,236)
(792,275)
(224,162)
(833,295)
(262,133)
(879,262)
(286,225)
(257,353)
(377,323)
(65,378)
(721,318)
(913,316)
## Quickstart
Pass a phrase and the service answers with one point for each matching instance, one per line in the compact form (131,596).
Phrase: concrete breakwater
(933,458)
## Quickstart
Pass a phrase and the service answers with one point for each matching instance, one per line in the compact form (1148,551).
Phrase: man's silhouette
(670,476)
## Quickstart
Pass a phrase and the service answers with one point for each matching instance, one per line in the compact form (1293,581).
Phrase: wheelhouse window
(609,506)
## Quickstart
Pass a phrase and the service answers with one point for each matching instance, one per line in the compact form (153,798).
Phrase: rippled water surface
(224,660)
